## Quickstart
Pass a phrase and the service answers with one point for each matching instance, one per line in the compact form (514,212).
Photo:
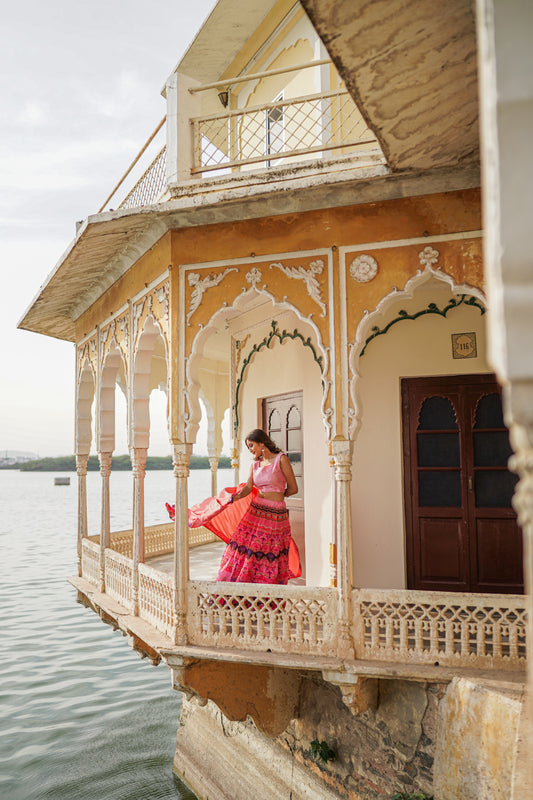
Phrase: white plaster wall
(284,368)
(409,349)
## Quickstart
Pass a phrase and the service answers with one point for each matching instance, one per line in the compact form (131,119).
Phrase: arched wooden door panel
(461,529)
(283,421)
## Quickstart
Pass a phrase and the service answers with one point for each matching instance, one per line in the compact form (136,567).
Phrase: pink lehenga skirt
(258,551)
(260,548)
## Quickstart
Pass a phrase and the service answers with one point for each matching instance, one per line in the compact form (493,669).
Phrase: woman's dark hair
(259,436)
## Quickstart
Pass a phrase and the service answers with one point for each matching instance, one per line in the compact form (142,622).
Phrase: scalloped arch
(192,412)
(355,350)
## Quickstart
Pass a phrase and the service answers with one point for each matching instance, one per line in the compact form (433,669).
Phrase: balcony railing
(404,627)
(287,129)
(150,185)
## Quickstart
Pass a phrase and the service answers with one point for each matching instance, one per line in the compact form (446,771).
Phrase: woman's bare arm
(286,468)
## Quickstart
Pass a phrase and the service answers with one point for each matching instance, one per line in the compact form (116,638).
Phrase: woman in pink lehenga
(258,550)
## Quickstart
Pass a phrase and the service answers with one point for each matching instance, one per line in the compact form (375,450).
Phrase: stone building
(308,251)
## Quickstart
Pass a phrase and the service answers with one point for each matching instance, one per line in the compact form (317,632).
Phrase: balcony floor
(204,562)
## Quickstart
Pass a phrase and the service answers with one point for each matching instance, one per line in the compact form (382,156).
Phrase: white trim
(444,237)
(151,286)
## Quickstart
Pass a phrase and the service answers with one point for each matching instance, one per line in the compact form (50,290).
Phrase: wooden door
(283,421)
(462,533)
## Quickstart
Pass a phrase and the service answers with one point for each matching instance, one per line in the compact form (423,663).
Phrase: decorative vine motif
(275,333)
(431,309)
(239,347)
(308,276)
(201,285)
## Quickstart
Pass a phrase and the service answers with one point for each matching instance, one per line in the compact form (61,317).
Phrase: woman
(258,550)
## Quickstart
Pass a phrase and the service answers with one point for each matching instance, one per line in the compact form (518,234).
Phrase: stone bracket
(359,694)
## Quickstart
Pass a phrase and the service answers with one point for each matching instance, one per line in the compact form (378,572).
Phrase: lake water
(82,716)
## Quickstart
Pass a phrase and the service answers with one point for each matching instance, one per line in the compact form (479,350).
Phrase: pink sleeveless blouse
(269,478)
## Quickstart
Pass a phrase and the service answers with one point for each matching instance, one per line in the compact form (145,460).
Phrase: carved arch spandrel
(301,280)
(396,298)
(191,409)
(116,333)
(155,303)
(87,352)
(457,260)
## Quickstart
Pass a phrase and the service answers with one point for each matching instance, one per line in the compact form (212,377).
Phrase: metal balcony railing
(286,129)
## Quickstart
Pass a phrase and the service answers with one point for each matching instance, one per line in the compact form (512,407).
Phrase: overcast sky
(80,94)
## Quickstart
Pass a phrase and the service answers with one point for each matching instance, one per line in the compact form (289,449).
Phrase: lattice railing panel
(118,577)
(150,185)
(263,617)
(200,536)
(441,628)
(328,121)
(90,560)
(156,595)
(158,540)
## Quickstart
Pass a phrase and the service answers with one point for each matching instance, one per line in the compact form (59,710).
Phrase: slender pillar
(333,540)
(519,417)
(235,461)
(105,530)
(342,454)
(213,463)
(181,459)
(138,467)
(81,471)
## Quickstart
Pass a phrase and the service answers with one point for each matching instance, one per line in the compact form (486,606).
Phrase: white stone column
(81,471)
(342,453)
(181,107)
(505,66)
(333,540)
(181,459)
(138,467)
(105,529)
(235,461)
(213,464)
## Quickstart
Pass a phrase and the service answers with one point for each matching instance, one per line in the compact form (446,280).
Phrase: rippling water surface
(82,716)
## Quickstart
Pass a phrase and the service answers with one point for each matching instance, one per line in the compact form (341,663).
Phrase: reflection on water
(82,717)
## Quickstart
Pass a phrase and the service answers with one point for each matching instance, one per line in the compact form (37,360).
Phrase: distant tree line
(68,463)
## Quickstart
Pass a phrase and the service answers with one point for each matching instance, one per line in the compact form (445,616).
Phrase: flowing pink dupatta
(220,516)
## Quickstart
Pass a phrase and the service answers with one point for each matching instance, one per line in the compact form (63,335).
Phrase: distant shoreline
(68,463)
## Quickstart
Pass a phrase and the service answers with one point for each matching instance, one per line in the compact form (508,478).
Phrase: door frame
(468,534)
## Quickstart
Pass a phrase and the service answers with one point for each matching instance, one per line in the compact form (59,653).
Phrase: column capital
(342,454)
(235,456)
(138,457)
(181,456)
(105,463)
(81,464)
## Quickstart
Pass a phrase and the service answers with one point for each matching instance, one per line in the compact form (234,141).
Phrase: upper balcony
(283,115)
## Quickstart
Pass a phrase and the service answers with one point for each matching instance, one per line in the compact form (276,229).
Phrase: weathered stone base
(223,760)
(454,741)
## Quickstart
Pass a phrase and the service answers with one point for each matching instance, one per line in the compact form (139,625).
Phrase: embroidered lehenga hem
(259,526)
(258,551)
